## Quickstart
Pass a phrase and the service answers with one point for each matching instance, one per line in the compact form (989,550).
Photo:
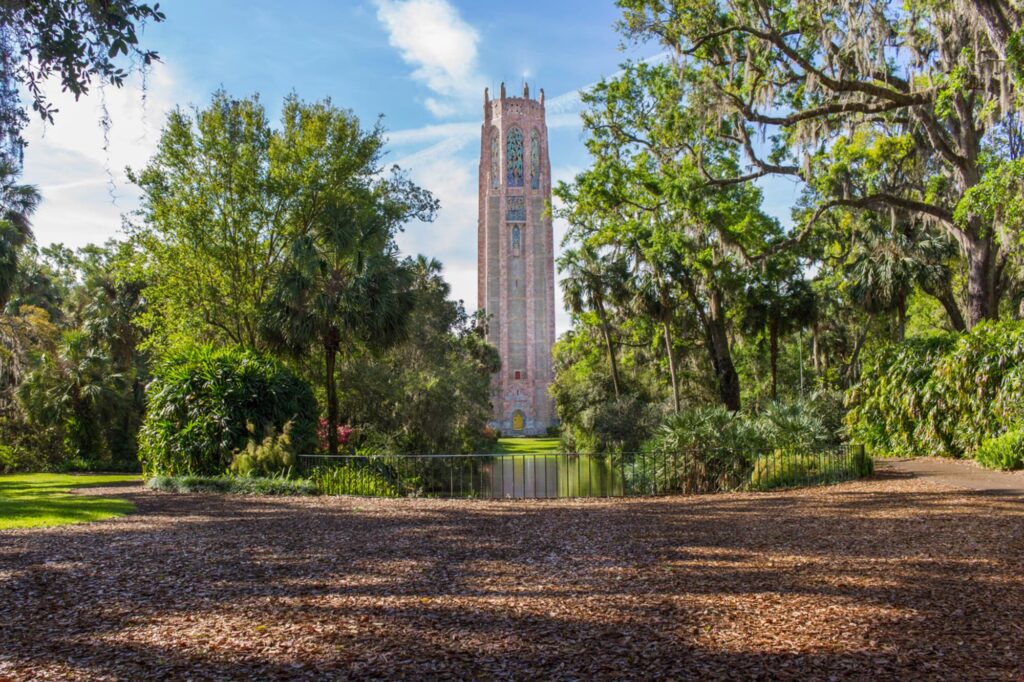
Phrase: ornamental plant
(202,400)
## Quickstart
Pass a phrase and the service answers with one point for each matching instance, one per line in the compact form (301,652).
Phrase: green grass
(31,500)
(527,446)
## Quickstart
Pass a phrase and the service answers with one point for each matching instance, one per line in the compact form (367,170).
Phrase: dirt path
(957,474)
(893,578)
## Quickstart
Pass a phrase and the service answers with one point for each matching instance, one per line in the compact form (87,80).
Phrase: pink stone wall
(516,286)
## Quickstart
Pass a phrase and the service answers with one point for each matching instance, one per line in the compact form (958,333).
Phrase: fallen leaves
(888,578)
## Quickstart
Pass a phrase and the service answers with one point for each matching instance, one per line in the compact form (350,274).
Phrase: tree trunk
(671,366)
(610,348)
(901,319)
(980,284)
(721,357)
(815,351)
(948,300)
(773,352)
(331,352)
(999,19)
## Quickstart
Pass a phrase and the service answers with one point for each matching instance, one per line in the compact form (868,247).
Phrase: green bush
(942,395)
(352,479)
(710,448)
(782,468)
(274,455)
(240,485)
(794,425)
(201,401)
(1005,451)
(9,459)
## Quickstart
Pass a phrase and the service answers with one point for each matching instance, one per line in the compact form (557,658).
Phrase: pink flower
(344,432)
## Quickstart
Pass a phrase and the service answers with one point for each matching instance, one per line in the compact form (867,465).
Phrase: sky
(421,64)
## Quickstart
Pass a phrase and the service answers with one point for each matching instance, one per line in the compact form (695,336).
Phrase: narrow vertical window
(534,159)
(514,157)
(495,159)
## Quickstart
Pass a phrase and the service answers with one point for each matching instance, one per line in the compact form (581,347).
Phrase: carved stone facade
(515,260)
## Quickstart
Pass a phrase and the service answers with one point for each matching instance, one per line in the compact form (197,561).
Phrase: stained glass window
(495,159)
(534,159)
(514,157)
(515,208)
(516,239)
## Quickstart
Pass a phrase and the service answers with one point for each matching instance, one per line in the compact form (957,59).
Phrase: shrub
(201,401)
(352,479)
(241,485)
(274,455)
(343,430)
(29,446)
(784,469)
(788,468)
(793,425)
(9,459)
(1005,451)
(710,447)
(942,395)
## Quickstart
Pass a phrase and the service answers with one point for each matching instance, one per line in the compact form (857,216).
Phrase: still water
(541,476)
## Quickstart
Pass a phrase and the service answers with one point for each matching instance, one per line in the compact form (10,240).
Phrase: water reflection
(545,476)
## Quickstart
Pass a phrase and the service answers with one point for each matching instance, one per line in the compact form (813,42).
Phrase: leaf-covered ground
(893,578)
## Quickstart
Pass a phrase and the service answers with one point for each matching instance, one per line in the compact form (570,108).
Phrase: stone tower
(515,260)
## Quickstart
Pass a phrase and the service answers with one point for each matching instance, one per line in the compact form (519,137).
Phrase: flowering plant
(344,434)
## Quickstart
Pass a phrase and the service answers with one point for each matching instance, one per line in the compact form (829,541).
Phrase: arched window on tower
(534,159)
(514,157)
(495,159)
(517,240)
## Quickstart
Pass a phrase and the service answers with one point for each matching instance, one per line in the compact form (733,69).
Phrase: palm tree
(777,305)
(341,284)
(17,204)
(652,298)
(591,281)
(885,266)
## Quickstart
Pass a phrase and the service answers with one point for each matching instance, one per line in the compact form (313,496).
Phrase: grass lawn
(29,500)
(527,446)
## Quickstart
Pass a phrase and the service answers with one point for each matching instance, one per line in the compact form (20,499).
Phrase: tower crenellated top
(514,106)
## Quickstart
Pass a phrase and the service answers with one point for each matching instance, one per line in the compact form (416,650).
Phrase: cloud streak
(431,36)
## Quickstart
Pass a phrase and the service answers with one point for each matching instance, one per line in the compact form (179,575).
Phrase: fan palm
(591,281)
(342,284)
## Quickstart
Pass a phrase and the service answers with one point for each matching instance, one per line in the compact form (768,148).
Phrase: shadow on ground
(889,578)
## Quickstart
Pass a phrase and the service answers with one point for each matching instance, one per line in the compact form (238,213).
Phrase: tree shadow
(848,582)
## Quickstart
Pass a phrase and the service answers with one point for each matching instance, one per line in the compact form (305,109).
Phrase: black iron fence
(581,475)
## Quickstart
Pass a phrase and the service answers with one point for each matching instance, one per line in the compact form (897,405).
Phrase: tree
(78,41)
(342,283)
(590,280)
(431,391)
(17,204)
(778,303)
(224,199)
(646,200)
(873,105)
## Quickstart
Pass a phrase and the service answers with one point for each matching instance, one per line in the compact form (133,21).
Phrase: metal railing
(562,475)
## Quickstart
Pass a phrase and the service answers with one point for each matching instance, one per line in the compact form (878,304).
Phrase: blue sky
(423,64)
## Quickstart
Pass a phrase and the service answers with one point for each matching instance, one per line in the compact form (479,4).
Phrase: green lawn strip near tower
(32,500)
(528,446)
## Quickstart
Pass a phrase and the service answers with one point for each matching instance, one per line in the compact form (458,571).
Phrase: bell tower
(515,259)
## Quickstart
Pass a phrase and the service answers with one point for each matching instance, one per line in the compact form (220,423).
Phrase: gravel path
(893,578)
(959,474)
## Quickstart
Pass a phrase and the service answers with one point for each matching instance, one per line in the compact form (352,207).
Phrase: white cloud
(80,171)
(431,36)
